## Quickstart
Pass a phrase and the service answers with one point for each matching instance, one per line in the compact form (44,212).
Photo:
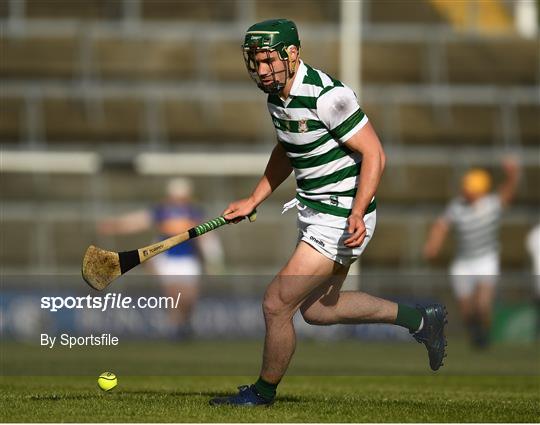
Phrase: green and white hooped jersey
(313,124)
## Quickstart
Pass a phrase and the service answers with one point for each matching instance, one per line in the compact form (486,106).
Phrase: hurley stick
(101,267)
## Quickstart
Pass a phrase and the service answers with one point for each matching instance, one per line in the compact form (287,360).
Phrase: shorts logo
(302,126)
(317,241)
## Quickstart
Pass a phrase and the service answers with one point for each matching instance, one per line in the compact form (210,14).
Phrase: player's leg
(466,308)
(537,304)
(179,275)
(469,316)
(484,297)
(312,281)
(328,306)
(188,287)
(463,286)
(306,270)
(486,269)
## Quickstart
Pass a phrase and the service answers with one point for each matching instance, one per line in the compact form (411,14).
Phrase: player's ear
(292,52)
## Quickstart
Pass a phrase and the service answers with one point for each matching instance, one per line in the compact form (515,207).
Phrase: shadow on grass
(149,393)
(286,399)
(59,397)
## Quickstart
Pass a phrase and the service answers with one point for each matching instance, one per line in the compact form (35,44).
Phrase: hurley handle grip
(206,227)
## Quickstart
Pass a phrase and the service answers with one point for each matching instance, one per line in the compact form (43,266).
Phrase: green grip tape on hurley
(203,228)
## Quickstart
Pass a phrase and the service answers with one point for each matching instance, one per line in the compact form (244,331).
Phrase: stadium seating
(510,61)
(39,57)
(58,9)
(98,121)
(122,77)
(12,119)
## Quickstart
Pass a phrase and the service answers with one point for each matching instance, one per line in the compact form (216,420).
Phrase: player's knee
(274,307)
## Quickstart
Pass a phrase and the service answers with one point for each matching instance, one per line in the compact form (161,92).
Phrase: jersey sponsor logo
(317,241)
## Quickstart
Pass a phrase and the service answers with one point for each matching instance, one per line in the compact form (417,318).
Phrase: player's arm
(436,237)
(366,142)
(338,109)
(277,170)
(508,188)
(133,222)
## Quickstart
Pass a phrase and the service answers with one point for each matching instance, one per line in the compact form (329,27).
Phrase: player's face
(270,67)
(471,196)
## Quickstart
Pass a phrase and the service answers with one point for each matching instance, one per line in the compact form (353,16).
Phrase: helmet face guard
(252,66)
(275,35)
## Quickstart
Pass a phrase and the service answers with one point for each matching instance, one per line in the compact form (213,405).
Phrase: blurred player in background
(475,217)
(533,246)
(338,160)
(180,267)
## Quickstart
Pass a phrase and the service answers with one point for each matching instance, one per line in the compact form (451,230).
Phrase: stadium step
(12,120)
(84,120)
(507,61)
(403,12)
(121,58)
(39,57)
(63,9)
(463,124)
(215,11)
(397,242)
(112,56)
(401,184)
(223,120)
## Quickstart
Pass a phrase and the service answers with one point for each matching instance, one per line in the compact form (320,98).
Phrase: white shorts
(176,270)
(468,272)
(326,233)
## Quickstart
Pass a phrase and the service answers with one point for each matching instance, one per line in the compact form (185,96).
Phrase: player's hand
(105,227)
(430,252)
(510,165)
(357,228)
(238,210)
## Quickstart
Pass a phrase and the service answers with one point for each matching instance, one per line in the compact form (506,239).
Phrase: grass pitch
(502,385)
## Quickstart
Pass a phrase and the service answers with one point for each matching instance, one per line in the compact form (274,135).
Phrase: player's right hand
(430,252)
(511,164)
(238,210)
(105,228)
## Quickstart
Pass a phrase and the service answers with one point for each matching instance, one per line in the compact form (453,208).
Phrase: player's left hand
(511,165)
(357,228)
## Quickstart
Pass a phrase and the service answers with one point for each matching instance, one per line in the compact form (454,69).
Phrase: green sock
(266,389)
(408,317)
